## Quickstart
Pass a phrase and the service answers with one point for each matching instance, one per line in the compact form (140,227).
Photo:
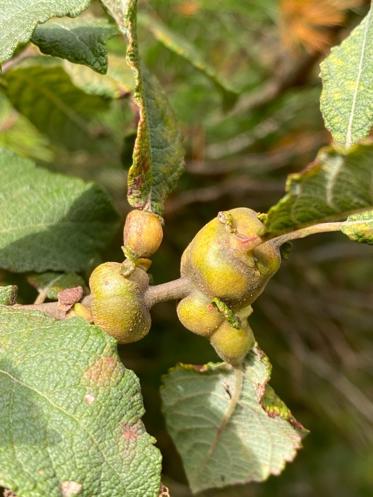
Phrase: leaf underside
(223,444)
(335,186)
(347,77)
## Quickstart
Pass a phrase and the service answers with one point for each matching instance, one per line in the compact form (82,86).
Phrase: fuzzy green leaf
(158,152)
(79,41)
(347,75)
(70,412)
(182,47)
(19,18)
(50,221)
(45,95)
(229,426)
(359,227)
(51,284)
(334,186)
(8,294)
(116,83)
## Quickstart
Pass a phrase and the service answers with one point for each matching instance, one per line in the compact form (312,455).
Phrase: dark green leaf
(50,221)
(77,40)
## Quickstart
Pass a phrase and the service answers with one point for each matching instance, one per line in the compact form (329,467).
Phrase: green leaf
(116,83)
(8,294)
(182,47)
(50,221)
(158,152)
(81,41)
(228,425)
(347,75)
(70,412)
(18,19)
(359,227)
(51,284)
(334,186)
(19,135)
(45,95)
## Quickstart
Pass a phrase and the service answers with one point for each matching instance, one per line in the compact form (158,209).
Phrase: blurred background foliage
(243,137)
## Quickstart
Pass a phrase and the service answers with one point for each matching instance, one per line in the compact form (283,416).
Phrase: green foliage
(116,83)
(79,41)
(359,227)
(336,185)
(70,412)
(8,294)
(76,115)
(228,429)
(50,284)
(18,134)
(19,19)
(347,74)
(50,221)
(182,47)
(158,152)
(45,95)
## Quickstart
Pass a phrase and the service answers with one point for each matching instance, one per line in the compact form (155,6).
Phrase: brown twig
(172,290)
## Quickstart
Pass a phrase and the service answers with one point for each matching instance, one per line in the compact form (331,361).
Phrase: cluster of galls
(227,260)
(226,263)
(118,304)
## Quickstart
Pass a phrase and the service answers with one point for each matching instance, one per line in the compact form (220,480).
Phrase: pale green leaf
(45,95)
(333,187)
(228,425)
(359,227)
(182,47)
(82,41)
(347,76)
(158,153)
(51,284)
(18,19)
(50,221)
(116,83)
(8,294)
(70,412)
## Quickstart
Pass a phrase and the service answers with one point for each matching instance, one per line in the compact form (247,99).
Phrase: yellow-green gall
(232,344)
(224,258)
(118,305)
(142,233)
(198,314)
